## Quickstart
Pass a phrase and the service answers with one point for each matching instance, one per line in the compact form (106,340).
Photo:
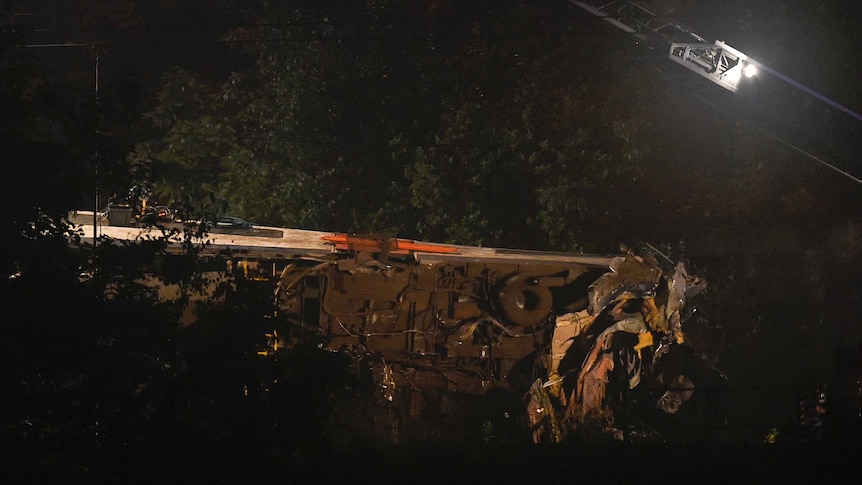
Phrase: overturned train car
(577,343)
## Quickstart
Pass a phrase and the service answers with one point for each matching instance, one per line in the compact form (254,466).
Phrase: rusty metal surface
(568,336)
(583,341)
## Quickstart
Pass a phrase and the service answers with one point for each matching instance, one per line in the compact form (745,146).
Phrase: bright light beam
(806,89)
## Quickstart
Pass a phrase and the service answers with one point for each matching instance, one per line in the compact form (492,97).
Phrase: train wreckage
(572,343)
(583,343)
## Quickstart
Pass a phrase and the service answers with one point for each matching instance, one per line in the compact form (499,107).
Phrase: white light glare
(749,70)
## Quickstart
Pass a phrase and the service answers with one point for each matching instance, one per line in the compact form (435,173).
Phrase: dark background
(758,190)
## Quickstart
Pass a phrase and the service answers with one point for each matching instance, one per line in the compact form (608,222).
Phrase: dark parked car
(226,222)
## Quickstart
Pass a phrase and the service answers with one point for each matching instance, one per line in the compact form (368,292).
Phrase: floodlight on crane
(718,62)
(750,70)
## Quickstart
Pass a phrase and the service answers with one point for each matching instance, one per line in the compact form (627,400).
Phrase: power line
(773,136)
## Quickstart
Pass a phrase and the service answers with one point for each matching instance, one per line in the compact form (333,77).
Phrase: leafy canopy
(373,117)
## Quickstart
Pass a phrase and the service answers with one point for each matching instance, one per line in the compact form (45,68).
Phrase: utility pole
(93,46)
(96,149)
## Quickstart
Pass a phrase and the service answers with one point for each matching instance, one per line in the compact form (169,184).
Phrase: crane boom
(717,61)
(728,67)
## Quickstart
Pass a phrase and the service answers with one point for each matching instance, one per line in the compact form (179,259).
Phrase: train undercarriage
(574,344)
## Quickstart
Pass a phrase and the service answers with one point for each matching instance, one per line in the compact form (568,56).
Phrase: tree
(469,147)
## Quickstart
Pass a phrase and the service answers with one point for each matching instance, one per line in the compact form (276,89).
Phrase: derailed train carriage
(579,343)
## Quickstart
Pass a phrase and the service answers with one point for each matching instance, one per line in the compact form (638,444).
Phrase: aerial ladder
(729,67)
(717,61)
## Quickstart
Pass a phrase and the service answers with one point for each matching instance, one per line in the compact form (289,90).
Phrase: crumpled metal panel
(573,338)
(629,275)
